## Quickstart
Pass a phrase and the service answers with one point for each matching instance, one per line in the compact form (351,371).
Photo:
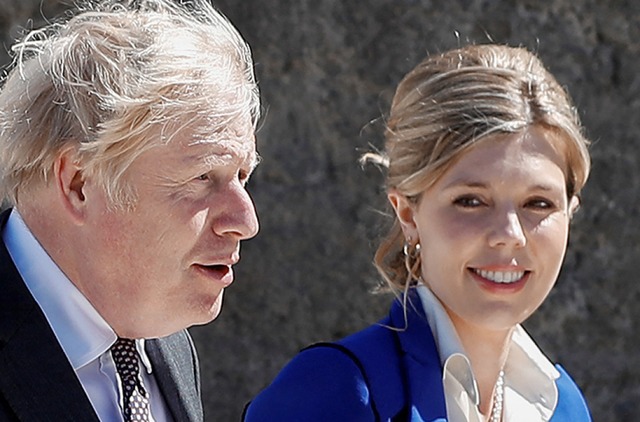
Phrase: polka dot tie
(135,398)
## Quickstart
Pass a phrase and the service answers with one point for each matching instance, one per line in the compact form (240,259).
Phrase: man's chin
(200,316)
(213,311)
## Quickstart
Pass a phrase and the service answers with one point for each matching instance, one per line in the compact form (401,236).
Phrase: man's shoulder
(16,303)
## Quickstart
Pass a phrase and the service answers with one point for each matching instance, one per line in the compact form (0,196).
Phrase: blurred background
(327,70)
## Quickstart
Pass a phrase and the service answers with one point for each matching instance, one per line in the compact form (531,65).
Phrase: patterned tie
(135,397)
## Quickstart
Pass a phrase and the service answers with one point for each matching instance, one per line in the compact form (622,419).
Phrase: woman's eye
(468,201)
(540,204)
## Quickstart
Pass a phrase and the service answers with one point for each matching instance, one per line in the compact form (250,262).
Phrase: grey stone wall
(327,69)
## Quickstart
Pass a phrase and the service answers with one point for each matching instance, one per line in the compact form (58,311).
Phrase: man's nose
(239,216)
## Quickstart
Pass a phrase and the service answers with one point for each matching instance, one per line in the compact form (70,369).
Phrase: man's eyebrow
(249,161)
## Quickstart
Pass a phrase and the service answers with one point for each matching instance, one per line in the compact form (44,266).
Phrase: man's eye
(468,201)
(203,177)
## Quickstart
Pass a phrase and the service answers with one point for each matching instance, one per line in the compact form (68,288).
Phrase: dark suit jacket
(37,382)
(378,374)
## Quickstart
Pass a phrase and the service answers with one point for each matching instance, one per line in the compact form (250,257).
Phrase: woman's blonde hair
(115,79)
(452,101)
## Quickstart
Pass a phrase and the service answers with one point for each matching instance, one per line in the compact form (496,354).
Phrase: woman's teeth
(500,276)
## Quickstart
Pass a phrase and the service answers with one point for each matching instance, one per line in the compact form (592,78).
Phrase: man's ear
(405,212)
(69,183)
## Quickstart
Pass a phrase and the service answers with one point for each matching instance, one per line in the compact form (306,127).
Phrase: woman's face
(493,230)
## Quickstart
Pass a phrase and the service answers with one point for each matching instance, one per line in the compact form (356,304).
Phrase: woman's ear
(69,183)
(405,213)
(574,205)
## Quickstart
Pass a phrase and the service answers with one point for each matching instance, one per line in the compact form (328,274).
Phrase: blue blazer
(378,374)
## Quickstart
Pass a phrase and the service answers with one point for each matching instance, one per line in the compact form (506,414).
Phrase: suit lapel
(423,372)
(37,380)
(175,367)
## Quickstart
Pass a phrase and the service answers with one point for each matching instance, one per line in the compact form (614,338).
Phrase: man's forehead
(224,148)
(196,138)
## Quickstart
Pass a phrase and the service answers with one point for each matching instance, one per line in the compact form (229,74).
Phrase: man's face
(163,265)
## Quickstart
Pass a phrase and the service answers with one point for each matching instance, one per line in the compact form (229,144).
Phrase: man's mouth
(220,272)
(217,268)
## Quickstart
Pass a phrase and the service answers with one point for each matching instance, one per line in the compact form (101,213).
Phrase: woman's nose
(507,231)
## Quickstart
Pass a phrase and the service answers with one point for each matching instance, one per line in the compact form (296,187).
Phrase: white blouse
(530,393)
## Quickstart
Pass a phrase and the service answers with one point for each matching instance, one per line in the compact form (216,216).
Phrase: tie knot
(125,356)
(135,398)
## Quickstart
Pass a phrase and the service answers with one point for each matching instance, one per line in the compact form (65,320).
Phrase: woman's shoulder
(358,378)
(572,405)
(323,382)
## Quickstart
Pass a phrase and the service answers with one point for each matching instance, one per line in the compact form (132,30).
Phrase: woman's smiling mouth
(497,281)
(500,276)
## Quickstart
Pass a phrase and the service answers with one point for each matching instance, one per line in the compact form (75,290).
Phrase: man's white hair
(114,78)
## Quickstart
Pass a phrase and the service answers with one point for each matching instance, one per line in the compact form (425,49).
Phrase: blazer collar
(177,375)
(422,367)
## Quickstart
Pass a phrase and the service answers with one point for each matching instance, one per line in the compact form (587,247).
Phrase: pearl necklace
(498,399)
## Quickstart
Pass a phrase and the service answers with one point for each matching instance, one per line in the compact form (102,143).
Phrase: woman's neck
(487,351)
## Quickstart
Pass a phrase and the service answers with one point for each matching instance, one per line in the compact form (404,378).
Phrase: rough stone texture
(327,69)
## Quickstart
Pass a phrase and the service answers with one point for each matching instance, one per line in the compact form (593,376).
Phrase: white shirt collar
(529,375)
(82,332)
